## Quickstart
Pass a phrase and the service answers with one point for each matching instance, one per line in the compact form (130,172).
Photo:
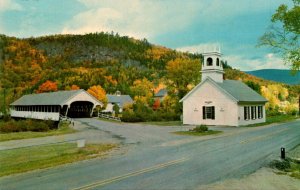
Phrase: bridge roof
(50,98)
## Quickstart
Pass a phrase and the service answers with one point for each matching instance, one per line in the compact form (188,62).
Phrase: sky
(186,25)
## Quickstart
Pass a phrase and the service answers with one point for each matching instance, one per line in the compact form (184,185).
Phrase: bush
(200,128)
(130,116)
(8,127)
(6,118)
(26,125)
(283,165)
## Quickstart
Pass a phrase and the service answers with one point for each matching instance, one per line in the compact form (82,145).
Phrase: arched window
(218,62)
(209,61)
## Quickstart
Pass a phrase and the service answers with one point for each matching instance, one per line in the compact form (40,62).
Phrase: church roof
(50,98)
(239,91)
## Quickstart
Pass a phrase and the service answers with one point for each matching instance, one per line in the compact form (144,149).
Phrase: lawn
(38,157)
(194,133)
(63,129)
(274,119)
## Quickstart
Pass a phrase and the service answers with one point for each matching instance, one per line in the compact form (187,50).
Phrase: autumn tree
(181,73)
(75,87)
(99,93)
(283,36)
(47,86)
(156,104)
(143,90)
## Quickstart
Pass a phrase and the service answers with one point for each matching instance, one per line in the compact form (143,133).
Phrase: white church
(215,101)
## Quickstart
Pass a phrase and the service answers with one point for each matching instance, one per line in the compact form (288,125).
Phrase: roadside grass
(274,119)
(290,166)
(38,157)
(109,120)
(162,123)
(63,129)
(194,133)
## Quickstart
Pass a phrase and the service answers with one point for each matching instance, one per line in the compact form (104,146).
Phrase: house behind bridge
(53,105)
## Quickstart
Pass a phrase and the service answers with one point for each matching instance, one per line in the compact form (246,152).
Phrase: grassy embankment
(274,119)
(63,129)
(39,157)
(289,166)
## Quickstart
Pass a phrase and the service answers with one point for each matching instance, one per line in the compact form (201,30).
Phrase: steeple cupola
(212,66)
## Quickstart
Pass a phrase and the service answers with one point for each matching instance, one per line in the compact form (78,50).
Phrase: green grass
(289,166)
(163,123)
(63,129)
(38,157)
(274,119)
(109,120)
(194,133)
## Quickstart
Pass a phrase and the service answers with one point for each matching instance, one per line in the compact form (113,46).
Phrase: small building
(118,99)
(216,101)
(161,94)
(53,105)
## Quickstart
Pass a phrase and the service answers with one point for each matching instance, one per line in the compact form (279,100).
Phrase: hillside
(278,75)
(114,62)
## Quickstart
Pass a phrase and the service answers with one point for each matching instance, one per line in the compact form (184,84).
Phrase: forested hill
(279,75)
(114,62)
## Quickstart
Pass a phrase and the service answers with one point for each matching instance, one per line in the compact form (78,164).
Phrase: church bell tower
(212,66)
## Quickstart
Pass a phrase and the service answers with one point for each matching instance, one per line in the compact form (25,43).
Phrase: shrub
(139,116)
(129,116)
(6,118)
(200,128)
(36,126)
(26,125)
(283,165)
(8,127)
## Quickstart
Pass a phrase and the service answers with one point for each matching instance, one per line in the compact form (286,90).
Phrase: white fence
(105,116)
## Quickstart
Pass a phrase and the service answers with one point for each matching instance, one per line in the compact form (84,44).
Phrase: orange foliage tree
(99,93)
(47,86)
(75,87)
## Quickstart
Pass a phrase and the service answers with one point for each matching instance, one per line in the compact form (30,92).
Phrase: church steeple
(212,66)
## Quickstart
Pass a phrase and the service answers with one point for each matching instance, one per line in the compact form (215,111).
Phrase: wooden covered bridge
(54,105)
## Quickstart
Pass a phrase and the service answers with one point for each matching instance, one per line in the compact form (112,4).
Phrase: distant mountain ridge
(278,75)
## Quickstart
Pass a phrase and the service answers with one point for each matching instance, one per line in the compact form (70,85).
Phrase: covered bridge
(53,105)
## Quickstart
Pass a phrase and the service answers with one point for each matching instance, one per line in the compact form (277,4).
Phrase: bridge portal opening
(80,109)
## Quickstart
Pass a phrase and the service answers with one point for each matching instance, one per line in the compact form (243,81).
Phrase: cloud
(269,61)
(201,48)
(137,18)
(146,19)
(7,5)
(237,57)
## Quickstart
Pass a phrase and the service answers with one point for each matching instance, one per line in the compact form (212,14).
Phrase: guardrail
(65,118)
(105,116)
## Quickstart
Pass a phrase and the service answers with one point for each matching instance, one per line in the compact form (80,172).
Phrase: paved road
(159,160)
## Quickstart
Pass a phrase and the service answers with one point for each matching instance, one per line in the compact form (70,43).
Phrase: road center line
(262,136)
(131,174)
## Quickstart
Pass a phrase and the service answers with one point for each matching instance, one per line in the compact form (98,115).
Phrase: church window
(209,61)
(208,112)
(253,112)
(218,62)
(246,113)
(260,112)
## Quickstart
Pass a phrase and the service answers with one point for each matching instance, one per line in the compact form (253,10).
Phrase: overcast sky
(186,25)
